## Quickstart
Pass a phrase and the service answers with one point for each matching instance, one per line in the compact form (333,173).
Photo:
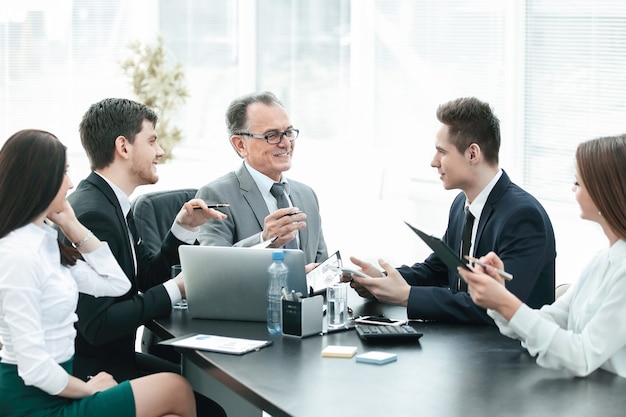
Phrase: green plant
(160,85)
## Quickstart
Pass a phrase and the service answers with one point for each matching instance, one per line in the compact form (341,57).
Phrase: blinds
(303,56)
(363,73)
(575,86)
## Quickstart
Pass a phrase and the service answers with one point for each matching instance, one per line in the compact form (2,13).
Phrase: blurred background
(361,79)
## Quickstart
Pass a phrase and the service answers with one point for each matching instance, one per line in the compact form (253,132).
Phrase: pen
(335,330)
(500,272)
(265,243)
(213,206)
(294,213)
(284,293)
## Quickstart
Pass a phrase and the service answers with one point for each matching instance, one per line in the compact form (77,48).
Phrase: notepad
(335,351)
(378,358)
(221,344)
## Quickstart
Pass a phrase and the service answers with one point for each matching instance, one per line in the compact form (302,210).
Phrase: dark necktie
(132,227)
(466,243)
(278,191)
(134,238)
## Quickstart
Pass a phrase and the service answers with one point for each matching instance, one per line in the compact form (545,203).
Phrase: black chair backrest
(155,212)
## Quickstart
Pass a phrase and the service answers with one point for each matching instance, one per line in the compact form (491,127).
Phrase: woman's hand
(65,219)
(486,286)
(73,229)
(100,382)
(77,388)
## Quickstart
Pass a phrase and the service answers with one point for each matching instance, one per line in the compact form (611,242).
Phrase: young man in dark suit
(508,221)
(120,140)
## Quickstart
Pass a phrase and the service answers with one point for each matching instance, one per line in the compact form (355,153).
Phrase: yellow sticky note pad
(335,351)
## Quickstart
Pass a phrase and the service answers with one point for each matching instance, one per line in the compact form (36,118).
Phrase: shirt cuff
(172,290)
(523,320)
(185,235)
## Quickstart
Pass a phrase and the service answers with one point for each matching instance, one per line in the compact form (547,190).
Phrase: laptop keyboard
(373,332)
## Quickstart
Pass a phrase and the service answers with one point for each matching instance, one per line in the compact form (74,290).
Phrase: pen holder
(302,318)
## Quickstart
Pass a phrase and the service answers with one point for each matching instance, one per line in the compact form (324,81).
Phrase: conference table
(454,370)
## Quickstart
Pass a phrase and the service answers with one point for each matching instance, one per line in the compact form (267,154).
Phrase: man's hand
(190,218)
(309,267)
(181,284)
(367,269)
(392,289)
(283,224)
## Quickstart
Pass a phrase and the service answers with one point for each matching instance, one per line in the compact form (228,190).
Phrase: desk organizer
(302,318)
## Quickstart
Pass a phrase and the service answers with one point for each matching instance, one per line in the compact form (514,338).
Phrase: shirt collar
(122,198)
(264,182)
(476,208)
(37,234)
(617,252)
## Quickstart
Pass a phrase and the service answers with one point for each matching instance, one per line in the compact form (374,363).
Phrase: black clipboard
(443,251)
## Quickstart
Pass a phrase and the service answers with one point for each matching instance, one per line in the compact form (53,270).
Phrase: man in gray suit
(262,135)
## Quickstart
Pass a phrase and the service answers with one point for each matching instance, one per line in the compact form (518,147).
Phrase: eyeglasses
(274,137)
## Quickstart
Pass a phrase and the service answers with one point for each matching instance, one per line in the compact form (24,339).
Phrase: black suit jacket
(107,325)
(515,226)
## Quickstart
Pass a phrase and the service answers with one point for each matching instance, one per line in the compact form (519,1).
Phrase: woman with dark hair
(40,279)
(583,330)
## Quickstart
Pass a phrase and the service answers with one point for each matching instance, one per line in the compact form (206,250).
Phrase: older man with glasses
(265,206)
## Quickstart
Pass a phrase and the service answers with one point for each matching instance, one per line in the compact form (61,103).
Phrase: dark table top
(454,370)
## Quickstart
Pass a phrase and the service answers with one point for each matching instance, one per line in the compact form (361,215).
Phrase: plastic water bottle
(277,273)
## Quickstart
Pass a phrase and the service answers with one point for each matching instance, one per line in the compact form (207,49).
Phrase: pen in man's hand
(500,272)
(213,206)
(294,213)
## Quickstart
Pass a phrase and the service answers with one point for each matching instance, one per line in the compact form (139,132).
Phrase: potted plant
(160,84)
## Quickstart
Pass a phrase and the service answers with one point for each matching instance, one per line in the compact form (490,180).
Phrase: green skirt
(17,399)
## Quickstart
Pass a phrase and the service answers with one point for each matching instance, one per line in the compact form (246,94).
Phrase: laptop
(230,283)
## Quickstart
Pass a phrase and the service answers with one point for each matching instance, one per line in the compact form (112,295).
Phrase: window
(365,74)
(575,86)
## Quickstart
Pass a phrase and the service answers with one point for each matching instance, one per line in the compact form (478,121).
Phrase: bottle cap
(278,255)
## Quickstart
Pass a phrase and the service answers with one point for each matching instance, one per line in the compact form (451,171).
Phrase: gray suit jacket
(248,210)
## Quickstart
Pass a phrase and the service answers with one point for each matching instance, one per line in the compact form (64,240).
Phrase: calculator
(373,332)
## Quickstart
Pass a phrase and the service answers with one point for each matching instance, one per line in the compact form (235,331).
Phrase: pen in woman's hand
(500,272)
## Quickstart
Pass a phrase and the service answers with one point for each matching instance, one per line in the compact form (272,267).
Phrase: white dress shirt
(38,298)
(264,183)
(584,329)
(477,206)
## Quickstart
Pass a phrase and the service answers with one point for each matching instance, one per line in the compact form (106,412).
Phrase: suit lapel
(494,197)
(98,182)
(250,192)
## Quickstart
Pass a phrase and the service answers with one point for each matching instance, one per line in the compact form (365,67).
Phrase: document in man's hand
(443,251)
(213,343)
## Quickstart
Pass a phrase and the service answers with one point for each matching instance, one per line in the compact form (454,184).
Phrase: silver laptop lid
(230,283)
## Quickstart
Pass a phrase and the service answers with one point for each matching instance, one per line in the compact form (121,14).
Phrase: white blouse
(585,329)
(38,298)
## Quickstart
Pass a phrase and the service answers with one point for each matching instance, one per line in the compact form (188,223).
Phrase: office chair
(154,214)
